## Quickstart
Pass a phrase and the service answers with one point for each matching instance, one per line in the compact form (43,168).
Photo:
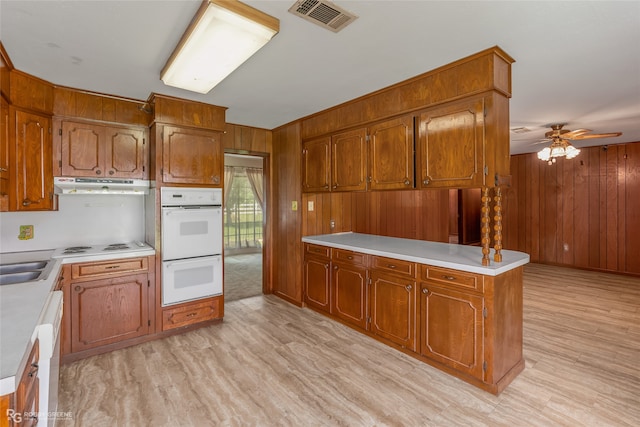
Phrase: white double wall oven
(192,238)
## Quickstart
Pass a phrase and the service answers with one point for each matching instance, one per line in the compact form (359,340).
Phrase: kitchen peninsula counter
(446,255)
(433,301)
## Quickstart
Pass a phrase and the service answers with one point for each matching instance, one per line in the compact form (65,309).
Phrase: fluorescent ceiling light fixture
(222,35)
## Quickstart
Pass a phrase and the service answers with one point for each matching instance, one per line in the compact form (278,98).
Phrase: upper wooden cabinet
(316,165)
(349,161)
(31,154)
(451,145)
(5,165)
(391,154)
(191,156)
(335,163)
(102,151)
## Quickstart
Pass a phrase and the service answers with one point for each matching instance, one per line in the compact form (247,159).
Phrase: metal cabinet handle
(98,172)
(215,179)
(407,182)
(448,277)
(34,371)
(4,170)
(335,267)
(191,314)
(391,266)
(111,267)
(349,257)
(77,288)
(425,182)
(326,186)
(111,172)
(326,266)
(425,291)
(335,186)
(26,202)
(408,288)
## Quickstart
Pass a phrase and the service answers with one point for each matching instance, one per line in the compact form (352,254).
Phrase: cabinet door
(191,156)
(317,283)
(316,165)
(349,294)
(4,155)
(108,311)
(124,153)
(452,328)
(348,161)
(393,308)
(391,156)
(82,149)
(33,162)
(451,146)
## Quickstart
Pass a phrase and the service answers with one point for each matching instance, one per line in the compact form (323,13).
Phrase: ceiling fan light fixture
(222,35)
(545,154)
(571,151)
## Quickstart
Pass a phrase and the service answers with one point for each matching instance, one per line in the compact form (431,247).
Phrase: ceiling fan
(560,145)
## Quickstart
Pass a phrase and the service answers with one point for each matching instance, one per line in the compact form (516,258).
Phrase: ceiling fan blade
(596,135)
(574,133)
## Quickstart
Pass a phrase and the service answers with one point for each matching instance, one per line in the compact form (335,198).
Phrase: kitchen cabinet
(109,302)
(192,312)
(451,146)
(31,156)
(317,277)
(349,276)
(452,327)
(316,165)
(335,163)
(391,154)
(27,393)
(5,165)
(463,322)
(393,301)
(191,156)
(21,408)
(94,150)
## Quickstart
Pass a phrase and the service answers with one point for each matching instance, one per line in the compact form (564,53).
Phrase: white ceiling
(577,62)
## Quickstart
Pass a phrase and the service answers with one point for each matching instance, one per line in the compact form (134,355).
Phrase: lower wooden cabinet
(349,287)
(21,408)
(192,313)
(452,328)
(393,308)
(109,310)
(317,279)
(467,324)
(108,302)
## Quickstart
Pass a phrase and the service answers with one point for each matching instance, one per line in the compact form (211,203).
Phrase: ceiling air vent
(323,13)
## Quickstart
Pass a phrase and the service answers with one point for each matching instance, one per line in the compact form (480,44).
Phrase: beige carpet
(242,276)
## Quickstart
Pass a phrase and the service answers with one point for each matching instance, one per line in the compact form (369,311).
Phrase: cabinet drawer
(191,313)
(453,277)
(317,250)
(108,268)
(348,257)
(396,266)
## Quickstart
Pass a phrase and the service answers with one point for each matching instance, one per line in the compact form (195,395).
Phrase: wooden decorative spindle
(497,237)
(484,220)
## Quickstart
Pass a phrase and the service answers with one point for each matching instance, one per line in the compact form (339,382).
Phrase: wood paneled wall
(287,246)
(583,212)
(411,214)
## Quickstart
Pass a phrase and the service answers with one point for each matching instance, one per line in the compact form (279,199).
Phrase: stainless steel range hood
(98,186)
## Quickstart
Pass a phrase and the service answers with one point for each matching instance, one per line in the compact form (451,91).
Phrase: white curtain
(228,180)
(257,184)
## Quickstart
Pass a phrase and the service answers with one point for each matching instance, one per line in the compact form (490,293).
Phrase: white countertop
(21,307)
(457,257)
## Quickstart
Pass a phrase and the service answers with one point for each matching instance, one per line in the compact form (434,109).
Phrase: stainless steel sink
(21,272)
(22,267)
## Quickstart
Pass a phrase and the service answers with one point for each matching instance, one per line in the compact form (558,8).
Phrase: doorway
(244,215)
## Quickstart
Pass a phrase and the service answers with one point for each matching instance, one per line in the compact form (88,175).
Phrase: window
(242,215)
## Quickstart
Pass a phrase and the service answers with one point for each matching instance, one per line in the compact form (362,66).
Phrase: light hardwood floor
(273,364)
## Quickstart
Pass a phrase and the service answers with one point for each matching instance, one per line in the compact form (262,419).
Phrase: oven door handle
(199,260)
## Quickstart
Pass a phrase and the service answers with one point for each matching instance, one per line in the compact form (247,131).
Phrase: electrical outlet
(294,205)
(310,206)
(566,247)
